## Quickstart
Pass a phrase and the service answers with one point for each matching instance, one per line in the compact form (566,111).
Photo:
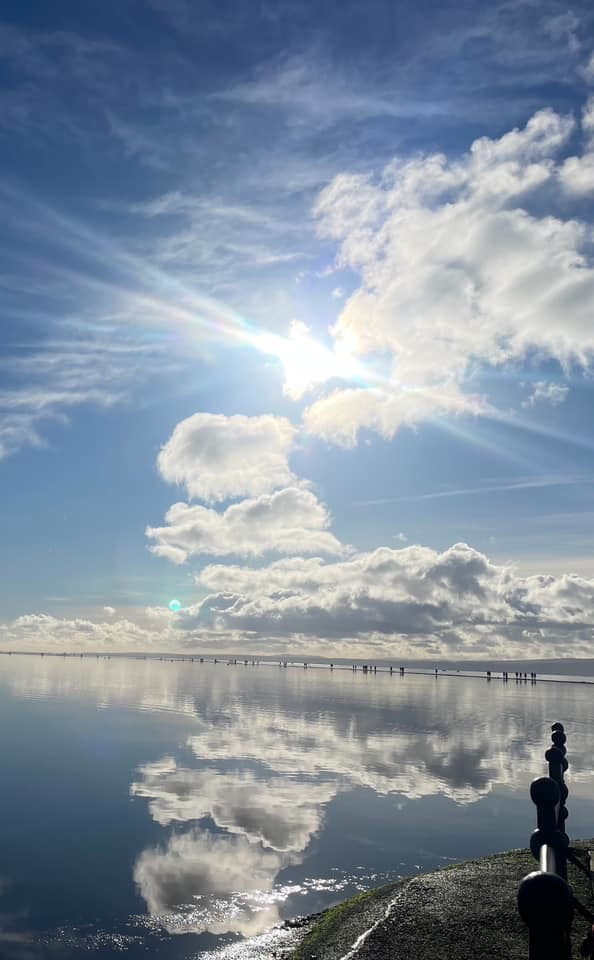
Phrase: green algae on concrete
(466,910)
(340,926)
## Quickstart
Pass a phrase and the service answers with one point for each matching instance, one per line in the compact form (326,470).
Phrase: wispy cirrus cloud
(247,235)
(46,382)
(504,486)
(310,91)
(543,392)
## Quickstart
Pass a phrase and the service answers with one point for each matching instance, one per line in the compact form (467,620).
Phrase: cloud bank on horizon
(398,270)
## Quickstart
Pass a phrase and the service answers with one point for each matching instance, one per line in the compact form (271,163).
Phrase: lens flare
(175,605)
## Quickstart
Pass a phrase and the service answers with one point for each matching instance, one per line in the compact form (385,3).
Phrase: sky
(297,328)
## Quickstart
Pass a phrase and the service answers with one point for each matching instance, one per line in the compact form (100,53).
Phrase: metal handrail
(545,899)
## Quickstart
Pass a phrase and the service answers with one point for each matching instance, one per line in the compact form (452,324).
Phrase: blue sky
(296,317)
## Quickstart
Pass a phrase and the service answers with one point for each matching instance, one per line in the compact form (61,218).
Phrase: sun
(306,361)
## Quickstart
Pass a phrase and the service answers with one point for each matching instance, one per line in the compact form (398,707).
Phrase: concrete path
(461,912)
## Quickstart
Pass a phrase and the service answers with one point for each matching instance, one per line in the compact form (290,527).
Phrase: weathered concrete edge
(345,922)
(334,932)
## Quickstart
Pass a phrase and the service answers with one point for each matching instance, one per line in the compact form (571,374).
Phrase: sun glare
(306,361)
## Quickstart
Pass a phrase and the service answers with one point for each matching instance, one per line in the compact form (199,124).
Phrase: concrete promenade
(464,912)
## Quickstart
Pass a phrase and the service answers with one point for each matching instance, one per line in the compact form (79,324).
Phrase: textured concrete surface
(465,911)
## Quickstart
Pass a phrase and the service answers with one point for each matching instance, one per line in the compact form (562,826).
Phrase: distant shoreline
(547,671)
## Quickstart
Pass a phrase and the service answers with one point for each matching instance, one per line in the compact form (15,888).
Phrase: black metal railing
(545,900)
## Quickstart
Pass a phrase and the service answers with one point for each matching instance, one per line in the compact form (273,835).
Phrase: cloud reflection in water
(260,771)
(216,882)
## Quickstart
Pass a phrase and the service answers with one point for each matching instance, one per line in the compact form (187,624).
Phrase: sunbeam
(143,292)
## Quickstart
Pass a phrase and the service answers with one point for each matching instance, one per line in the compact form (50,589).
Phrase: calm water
(170,809)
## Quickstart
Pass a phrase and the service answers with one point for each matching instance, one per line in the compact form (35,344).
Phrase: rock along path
(465,912)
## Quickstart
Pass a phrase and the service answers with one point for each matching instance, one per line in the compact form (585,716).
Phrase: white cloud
(287,521)
(457,271)
(43,632)
(168,551)
(341,415)
(414,600)
(543,392)
(577,174)
(218,458)
(109,610)
(409,602)
(412,591)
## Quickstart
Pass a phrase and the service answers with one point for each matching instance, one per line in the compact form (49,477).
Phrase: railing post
(545,900)
(545,903)
(558,768)
(557,761)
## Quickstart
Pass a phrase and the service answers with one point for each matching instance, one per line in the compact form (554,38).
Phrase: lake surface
(171,809)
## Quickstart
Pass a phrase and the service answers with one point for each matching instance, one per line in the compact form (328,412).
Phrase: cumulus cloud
(464,262)
(340,416)
(577,174)
(153,630)
(43,632)
(218,458)
(288,521)
(414,600)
